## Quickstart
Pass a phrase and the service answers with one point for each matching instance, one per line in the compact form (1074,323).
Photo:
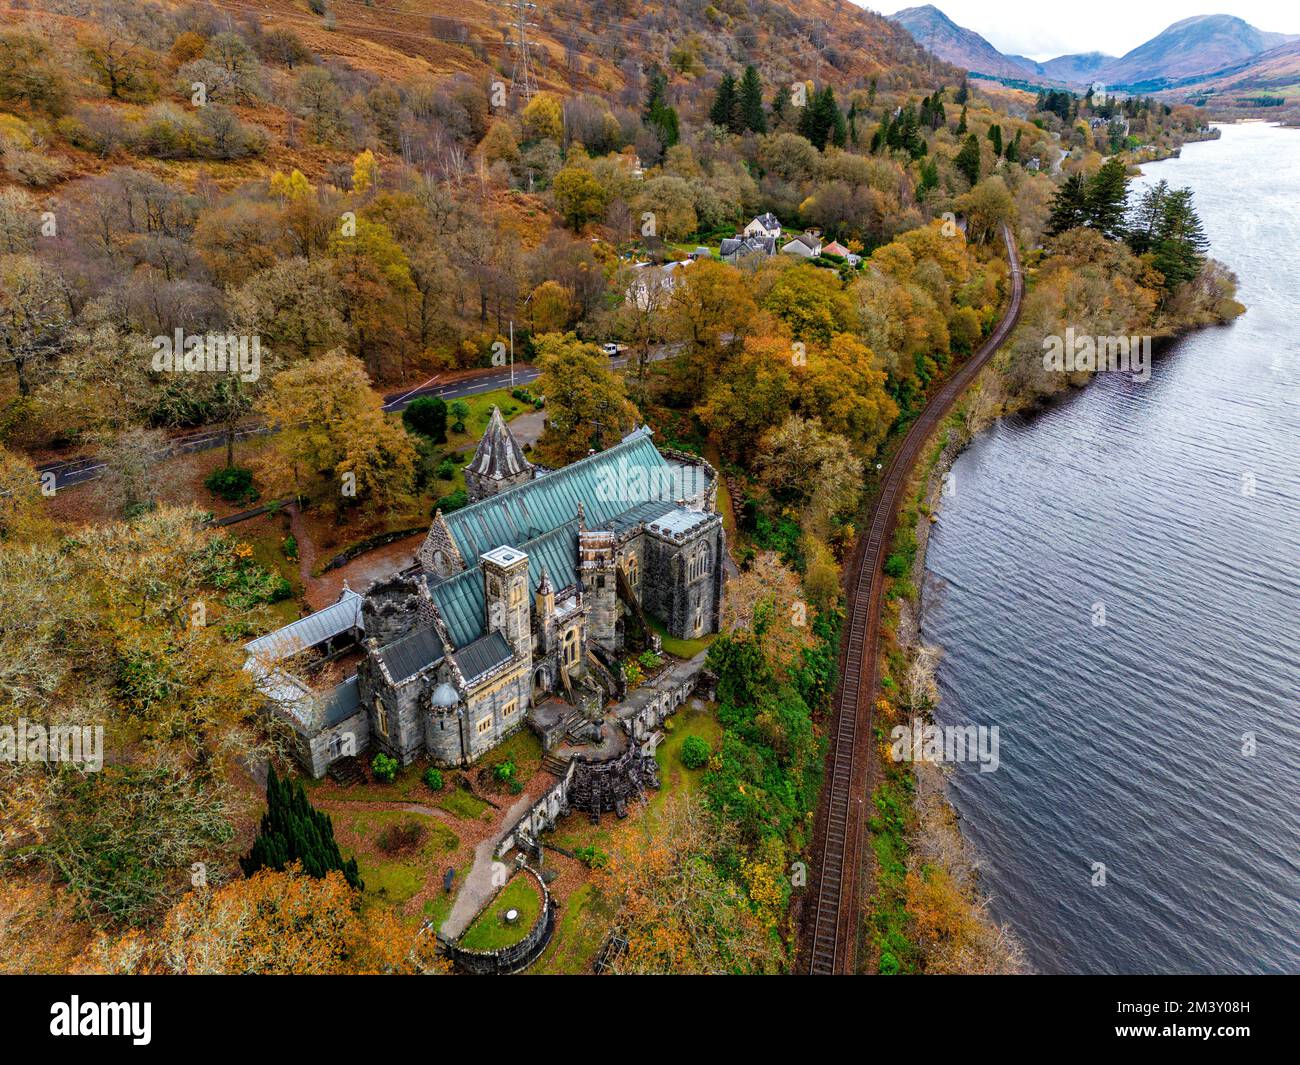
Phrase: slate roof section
(460,598)
(314,629)
(522,513)
(498,455)
(405,658)
(341,703)
(483,654)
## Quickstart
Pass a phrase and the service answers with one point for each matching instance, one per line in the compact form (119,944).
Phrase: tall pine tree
(293,830)
(1107,199)
(725,111)
(657,113)
(1069,206)
(751,101)
(968,159)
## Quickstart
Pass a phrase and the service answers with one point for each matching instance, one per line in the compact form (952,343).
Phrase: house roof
(482,655)
(407,656)
(807,240)
(341,703)
(529,510)
(767,220)
(314,629)
(498,454)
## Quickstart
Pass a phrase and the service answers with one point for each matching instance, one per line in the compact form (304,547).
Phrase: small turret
(498,461)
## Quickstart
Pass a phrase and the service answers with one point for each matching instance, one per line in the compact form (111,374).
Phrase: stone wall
(514,958)
(318,752)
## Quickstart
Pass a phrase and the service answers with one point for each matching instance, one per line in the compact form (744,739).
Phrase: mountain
(938,34)
(1273,74)
(1075,69)
(1199,45)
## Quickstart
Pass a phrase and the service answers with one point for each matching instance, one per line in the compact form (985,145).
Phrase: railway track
(830,946)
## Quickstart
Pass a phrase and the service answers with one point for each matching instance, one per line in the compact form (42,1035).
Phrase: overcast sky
(1043,29)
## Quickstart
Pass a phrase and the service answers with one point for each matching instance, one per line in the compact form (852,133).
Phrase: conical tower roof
(498,455)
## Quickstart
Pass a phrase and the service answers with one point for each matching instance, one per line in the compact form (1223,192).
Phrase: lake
(1164,743)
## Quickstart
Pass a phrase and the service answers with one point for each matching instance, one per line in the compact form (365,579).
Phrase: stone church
(529,593)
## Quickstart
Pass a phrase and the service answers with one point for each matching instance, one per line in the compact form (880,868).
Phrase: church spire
(498,461)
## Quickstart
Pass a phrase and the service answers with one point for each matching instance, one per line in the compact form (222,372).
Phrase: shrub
(459,411)
(446,470)
(592,857)
(888,964)
(896,565)
(384,768)
(452,501)
(400,838)
(504,772)
(695,752)
(289,547)
(433,778)
(234,484)
(427,415)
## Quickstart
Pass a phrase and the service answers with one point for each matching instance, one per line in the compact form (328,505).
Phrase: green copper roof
(606,484)
(461,601)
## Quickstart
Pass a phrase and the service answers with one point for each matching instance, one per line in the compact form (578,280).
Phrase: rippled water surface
(1122,744)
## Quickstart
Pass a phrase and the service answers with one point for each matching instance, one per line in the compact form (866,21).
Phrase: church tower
(509,606)
(498,462)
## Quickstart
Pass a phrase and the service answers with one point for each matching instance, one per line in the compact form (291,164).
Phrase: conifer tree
(968,159)
(751,101)
(657,114)
(1069,206)
(995,138)
(961,125)
(293,830)
(724,111)
(1180,244)
(1107,199)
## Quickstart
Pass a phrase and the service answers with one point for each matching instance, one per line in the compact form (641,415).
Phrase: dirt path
(478,887)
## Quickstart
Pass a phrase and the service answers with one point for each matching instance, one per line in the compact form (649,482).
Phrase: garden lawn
(679,648)
(490,932)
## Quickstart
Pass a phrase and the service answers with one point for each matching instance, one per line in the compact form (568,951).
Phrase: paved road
(82,468)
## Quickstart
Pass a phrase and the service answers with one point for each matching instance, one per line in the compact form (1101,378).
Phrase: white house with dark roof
(808,245)
(764,226)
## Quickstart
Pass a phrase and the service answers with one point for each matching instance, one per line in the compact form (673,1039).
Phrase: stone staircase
(347,772)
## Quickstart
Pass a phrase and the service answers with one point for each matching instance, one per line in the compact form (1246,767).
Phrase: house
(807,244)
(734,249)
(653,283)
(517,611)
(836,248)
(700,252)
(765,225)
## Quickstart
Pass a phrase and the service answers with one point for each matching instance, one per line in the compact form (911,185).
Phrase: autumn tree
(22,507)
(334,438)
(275,923)
(374,277)
(586,405)
(678,911)
(292,306)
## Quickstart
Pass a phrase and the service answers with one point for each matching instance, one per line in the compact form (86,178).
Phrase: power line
(521,78)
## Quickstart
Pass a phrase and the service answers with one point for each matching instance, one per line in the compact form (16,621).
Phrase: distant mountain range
(1211,52)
